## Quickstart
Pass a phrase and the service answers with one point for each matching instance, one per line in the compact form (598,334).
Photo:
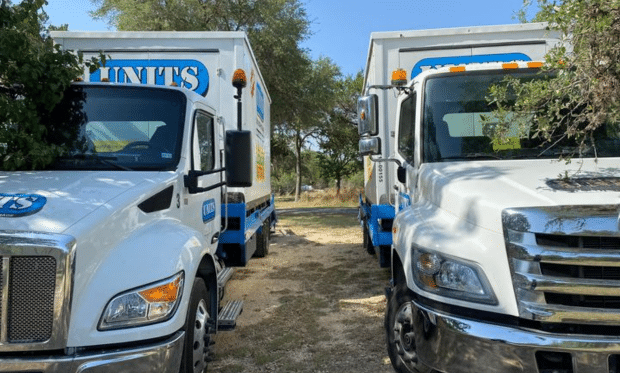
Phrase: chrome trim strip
(568,314)
(62,248)
(569,285)
(564,220)
(573,256)
(4,297)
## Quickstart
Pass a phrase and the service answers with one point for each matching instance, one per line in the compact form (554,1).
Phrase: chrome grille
(35,286)
(565,263)
(32,283)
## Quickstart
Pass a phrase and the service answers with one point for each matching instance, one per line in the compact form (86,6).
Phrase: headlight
(147,305)
(451,277)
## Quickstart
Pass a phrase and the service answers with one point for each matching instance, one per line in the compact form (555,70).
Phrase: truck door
(203,203)
(407,145)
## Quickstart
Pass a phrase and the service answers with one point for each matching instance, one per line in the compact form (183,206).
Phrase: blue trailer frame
(376,221)
(237,243)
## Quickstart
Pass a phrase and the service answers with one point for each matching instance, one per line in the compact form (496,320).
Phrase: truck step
(224,276)
(227,319)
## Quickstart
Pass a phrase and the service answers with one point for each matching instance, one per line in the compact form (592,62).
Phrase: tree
(340,155)
(275,29)
(584,92)
(34,74)
(282,164)
(314,93)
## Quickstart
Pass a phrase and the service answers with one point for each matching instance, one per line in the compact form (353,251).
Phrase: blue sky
(341,28)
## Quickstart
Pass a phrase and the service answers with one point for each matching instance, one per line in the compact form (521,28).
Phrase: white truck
(115,257)
(416,52)
(498,263)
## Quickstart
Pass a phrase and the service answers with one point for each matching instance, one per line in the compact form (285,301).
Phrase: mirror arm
(194,173)
(195,189)
(387,160)
(191,181)
(407,90)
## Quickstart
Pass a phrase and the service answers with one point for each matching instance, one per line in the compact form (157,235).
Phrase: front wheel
(196,349)
(401,333)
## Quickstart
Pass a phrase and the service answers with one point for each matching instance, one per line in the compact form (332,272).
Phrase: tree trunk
(297,168)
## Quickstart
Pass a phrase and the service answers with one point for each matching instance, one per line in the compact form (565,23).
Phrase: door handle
(215,238)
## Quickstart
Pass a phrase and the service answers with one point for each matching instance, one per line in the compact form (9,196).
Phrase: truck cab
(111,257)
(499,262)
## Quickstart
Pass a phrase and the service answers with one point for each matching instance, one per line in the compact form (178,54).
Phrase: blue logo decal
(190,74)
(208,211)
(428,63)
(16,205)
(260,102)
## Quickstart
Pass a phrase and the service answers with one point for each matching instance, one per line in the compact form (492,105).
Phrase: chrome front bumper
(162,357)
(452,344)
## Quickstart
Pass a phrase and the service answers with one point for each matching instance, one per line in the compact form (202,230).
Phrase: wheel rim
(404,336)
(200,333)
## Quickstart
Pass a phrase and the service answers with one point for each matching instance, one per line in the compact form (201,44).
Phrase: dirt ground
(314,304)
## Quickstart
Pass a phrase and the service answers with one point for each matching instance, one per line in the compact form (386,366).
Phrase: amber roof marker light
(399,77)
(239,81)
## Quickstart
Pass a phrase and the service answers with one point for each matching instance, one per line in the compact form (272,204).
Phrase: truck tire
(400,332)
(262,240)
(197,345)
(370,249)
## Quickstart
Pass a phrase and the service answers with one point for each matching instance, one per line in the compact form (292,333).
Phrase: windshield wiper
(105,159)
(473,156)
(566,153)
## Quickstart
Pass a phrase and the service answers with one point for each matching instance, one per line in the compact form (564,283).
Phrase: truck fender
(149,254)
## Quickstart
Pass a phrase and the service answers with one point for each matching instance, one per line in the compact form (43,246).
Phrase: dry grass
(314,304)
(321,198)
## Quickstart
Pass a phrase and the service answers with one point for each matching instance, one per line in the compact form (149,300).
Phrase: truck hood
(54,201)
(478,191)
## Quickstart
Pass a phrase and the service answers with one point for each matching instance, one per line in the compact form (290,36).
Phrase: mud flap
(385,257)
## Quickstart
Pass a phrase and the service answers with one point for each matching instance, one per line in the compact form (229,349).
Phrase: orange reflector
(534,65)
(428,281)
(457,69)
(163,293)
(512,65)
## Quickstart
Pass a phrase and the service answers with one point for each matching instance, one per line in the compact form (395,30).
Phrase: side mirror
(401,174)
(238,153)
(370,146)
(368,114)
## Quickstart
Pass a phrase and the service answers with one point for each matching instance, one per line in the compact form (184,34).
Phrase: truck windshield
(123,128)
(455,110)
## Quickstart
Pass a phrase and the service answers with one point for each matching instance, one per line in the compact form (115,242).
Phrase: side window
(204,130)
(406,129)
